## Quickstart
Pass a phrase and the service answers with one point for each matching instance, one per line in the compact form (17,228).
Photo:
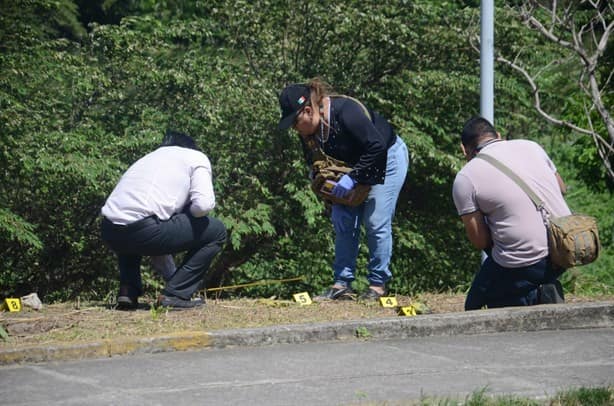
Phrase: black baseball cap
(292,100)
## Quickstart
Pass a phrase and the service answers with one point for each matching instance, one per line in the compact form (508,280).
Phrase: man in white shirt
(160,207)
(500,218)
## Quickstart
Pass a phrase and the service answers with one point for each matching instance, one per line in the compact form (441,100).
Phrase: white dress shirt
(162,183)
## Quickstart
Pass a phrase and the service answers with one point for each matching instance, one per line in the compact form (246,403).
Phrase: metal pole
(487,70)
(487,57)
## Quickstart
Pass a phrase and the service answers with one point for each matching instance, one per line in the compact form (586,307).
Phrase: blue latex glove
(341,218)
(344,186)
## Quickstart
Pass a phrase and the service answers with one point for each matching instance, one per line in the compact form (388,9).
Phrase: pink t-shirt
(516,226)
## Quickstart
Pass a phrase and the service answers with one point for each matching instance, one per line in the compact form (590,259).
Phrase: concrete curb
(535,318)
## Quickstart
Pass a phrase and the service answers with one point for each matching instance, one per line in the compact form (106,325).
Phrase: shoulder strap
(318,153)
(539,203)
(315,148)
(362,106)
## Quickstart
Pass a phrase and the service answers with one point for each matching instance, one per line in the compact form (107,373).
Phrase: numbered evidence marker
(14,305)
(407,311)
(302,298)
(388,301)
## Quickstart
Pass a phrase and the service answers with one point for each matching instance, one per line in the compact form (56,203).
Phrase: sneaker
(371,294)
(333,293)
(550,293)
(179,303)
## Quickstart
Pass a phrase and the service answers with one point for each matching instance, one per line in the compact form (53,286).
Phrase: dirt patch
(86,322)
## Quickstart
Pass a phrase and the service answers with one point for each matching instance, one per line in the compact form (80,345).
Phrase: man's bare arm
(477,230)
(562,184)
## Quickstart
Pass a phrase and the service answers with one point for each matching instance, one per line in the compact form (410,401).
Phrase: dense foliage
(87,87)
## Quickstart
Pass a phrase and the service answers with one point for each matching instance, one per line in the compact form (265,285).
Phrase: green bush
(78,107)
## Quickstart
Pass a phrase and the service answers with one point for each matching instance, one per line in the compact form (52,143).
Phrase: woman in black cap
(347,131)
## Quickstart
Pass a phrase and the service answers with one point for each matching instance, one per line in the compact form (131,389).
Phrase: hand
(340,218)
(344,186)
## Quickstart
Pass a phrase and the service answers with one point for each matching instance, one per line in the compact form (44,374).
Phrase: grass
(78,322)
(83,322)
(597,396)
(585,397)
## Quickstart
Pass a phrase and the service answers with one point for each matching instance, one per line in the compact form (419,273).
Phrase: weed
(361,395)
(157,311)
(363,332)
(585,396)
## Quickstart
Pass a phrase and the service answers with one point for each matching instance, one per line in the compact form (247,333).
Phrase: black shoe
(179,303)
(371,294)
(336,294)
(550,293)
(125,301)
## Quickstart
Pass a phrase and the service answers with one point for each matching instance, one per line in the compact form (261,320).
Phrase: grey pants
(202,238)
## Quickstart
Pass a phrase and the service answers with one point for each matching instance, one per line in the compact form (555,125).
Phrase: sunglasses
(298,114)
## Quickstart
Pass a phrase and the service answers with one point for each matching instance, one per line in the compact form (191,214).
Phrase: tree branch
(537,101)
(600,144)
(529,19)
(588,80)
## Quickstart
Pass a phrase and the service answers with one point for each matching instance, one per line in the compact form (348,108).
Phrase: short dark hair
(177,139)
(476,128)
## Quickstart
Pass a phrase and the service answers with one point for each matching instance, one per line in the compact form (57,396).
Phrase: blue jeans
(497,286)
(376,213)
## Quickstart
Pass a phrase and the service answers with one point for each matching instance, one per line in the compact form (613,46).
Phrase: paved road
(534,364)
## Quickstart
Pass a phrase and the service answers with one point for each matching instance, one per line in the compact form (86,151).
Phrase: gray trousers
(202,238)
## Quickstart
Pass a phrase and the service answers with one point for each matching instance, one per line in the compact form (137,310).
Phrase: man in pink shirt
(160,207)
(500,218)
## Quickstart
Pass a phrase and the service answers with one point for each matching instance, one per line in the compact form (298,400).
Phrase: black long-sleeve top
(360,140)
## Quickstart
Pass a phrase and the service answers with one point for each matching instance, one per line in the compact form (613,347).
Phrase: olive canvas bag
(573,240)
(326,172)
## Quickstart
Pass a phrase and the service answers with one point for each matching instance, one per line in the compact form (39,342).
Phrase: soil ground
(78,322)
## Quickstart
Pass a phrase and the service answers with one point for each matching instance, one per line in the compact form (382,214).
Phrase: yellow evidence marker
(388,301)
(302,298)
(407,311)
(13,305)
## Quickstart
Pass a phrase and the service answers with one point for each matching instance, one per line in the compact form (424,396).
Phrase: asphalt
(517,319)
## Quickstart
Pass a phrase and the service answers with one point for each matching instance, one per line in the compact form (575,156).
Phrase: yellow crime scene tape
(262,282)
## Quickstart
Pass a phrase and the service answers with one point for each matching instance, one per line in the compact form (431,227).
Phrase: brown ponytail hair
(319,90)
